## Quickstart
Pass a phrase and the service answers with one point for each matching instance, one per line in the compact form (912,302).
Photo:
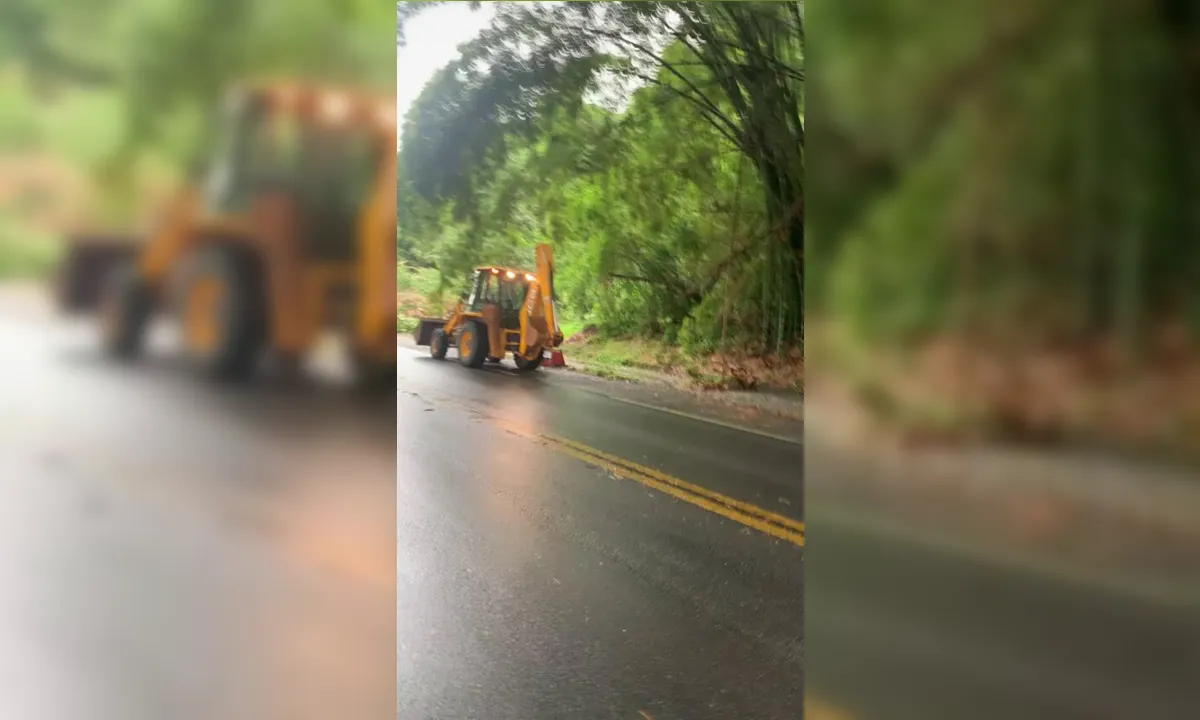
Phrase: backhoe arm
(539,319)
(545,276)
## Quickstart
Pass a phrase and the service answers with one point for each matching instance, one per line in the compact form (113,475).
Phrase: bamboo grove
(658,146)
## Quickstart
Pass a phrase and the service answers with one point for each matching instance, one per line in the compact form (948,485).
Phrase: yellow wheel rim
(201,308)
(468,342)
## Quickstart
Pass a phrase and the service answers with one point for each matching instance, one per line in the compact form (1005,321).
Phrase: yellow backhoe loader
(507,310)
(290,233)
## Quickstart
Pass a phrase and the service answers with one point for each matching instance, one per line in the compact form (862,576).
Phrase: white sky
(433,38)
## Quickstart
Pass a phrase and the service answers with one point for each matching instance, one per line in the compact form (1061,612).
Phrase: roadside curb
(774,425)
(1140,491)
(1181,592)
(1093,519)
(713,409)
(710,420)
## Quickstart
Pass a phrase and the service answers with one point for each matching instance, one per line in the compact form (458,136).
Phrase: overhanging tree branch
(702,100)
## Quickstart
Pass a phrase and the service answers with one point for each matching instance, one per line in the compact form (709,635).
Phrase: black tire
(526,365)
(438,345)
(239,315)
(126,305)
(472,344)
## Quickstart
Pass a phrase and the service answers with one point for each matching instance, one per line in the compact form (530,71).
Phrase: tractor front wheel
(472,344)
(526,365)
(125,309)
(223,311)
(438,345)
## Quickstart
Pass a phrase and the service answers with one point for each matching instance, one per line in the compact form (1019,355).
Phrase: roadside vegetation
(1006,243)
(24,255)
(103,104)
(419,294)
(659,147)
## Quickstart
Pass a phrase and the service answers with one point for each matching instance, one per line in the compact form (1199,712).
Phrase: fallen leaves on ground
(954,388)
(716,371)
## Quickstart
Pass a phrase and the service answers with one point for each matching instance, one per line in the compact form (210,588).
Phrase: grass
(25,254)
(637,359)
(634,358)
(570,327)
(617,359)
(405,324)
(419,280)
(624,353)
(417,295)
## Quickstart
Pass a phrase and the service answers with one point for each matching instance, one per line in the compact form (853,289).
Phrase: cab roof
(313,98)
(500,269)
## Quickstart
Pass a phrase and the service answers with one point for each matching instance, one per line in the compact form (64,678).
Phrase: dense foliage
(658,146)
(1019,169)
(142,77)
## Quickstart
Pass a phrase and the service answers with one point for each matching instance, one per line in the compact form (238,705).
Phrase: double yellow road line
(765,521)
(773,524)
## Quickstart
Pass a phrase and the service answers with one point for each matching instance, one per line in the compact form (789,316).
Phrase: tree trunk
(784,207)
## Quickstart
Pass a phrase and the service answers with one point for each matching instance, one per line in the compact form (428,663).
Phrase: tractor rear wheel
(438,345)
(526,365)
(472,344)
(223,311)
(126,305)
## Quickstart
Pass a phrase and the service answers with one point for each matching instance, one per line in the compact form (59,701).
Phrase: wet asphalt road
(532,584)
(919,629)
(168,551)
(535,585)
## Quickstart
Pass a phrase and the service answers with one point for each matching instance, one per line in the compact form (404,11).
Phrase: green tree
(644,187)
(1002,167)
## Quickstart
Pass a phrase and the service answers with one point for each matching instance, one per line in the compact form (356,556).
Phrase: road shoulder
(776,415)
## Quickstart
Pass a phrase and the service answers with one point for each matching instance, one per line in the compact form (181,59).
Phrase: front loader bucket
(424,331)
(87,262)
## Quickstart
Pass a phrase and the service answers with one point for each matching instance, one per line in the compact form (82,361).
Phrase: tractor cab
(319,148)
(286,231)
(504,289)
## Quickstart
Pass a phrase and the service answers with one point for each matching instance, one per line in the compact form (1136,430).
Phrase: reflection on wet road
(562,555)
(535,549)
(540,577)
(172,551)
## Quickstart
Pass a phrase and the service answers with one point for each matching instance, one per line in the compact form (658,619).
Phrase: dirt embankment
(952,390)
(637,358)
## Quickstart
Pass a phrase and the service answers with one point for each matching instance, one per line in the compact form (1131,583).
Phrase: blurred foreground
(1002,359)
(171,549)
(987,584)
